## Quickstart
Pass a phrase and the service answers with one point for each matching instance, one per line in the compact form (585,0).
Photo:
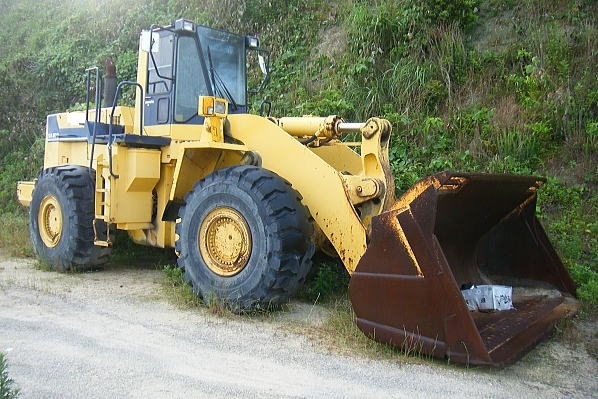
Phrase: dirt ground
(114,333)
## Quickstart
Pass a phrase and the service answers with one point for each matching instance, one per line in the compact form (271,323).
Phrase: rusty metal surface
(504,332)
(452,229)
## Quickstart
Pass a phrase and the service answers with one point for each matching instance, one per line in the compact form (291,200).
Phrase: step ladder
(101,227)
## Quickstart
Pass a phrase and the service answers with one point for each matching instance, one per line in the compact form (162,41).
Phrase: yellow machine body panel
(25,192)
(127,200)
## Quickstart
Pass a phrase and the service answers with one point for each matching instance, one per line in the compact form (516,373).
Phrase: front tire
(244,238)
(61,219)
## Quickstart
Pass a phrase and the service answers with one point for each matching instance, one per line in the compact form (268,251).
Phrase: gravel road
(114,334)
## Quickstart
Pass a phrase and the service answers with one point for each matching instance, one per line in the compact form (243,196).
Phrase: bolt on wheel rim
(225,241)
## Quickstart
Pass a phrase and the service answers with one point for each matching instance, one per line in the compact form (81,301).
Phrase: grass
(43,266)
(340,333)
(8,389)
(14,235)
(177,290)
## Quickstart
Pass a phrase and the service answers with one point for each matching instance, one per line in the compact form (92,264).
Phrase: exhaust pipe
(109,82)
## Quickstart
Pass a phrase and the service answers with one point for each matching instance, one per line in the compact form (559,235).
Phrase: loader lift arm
(330,195)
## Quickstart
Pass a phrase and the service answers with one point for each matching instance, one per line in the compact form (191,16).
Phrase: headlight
(184,25)
(220,107)
(212,106)
(252,42)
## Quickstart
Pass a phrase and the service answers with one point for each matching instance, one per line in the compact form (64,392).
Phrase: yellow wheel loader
(245,200)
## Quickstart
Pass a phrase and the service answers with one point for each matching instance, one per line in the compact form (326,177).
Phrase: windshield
(225,58)
(189,72)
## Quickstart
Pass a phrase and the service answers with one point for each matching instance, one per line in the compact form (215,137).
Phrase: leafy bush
(464,12)
(567,214)
(328,280)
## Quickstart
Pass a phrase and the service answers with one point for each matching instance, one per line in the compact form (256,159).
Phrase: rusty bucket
(455,229)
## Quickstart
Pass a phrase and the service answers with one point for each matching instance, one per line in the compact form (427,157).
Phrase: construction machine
(246,199)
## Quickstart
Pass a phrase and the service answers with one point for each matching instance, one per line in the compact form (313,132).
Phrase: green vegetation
(179,292)
(327,281)
(14,235)
(8,390)
(489,86)
(340,332)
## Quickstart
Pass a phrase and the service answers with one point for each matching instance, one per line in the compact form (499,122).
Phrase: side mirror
(257,79)
(259,56)
(262,61)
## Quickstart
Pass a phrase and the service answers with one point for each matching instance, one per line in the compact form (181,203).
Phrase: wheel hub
(50,221)
(225,241)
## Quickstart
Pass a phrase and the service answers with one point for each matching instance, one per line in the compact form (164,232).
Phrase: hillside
(493,86)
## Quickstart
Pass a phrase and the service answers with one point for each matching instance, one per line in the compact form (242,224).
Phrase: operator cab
(187,61)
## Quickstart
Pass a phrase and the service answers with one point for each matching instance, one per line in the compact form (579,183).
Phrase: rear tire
(244,238)
(61,219)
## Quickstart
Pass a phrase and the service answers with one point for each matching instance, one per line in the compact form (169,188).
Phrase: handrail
(118,87)
(98,106)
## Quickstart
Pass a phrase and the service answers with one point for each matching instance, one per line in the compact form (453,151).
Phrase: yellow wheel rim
(49,219)
(225,241)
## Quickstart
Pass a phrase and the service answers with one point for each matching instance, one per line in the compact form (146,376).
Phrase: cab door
(160,80)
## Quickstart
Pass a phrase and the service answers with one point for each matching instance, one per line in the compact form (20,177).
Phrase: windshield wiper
(218,85)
